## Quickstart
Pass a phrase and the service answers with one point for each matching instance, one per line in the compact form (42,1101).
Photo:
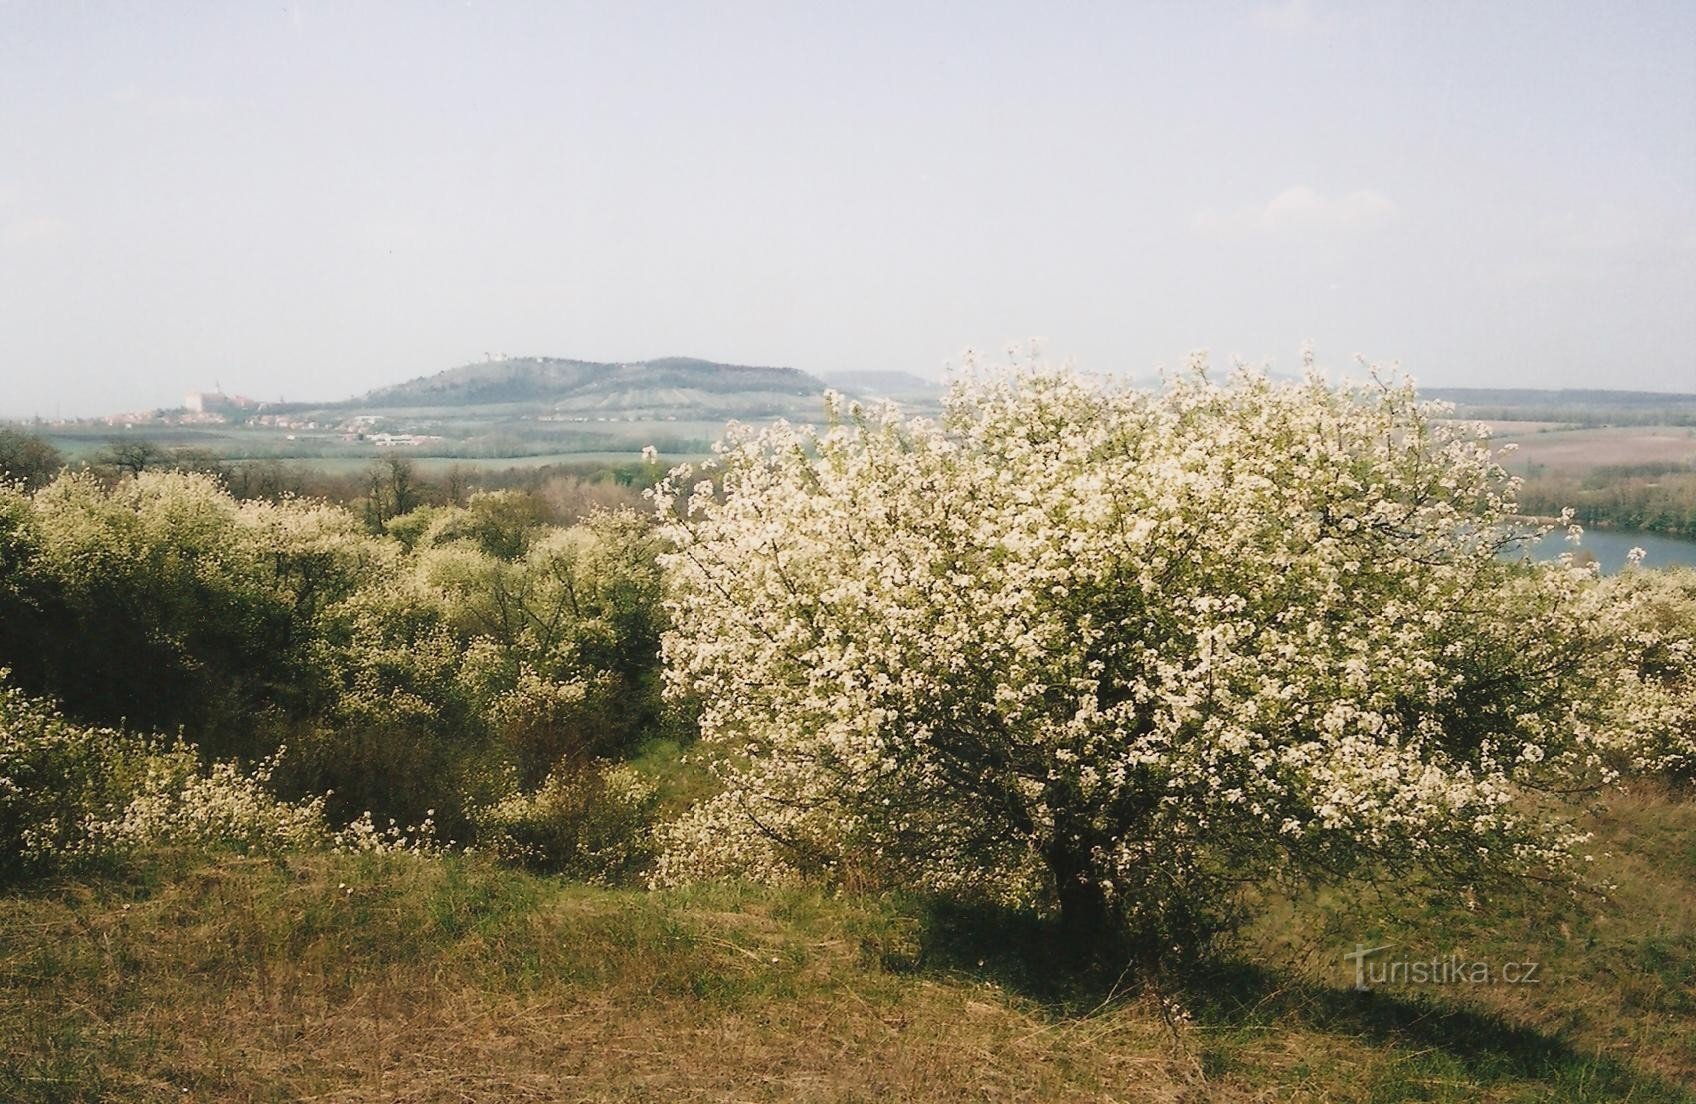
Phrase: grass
(192,977)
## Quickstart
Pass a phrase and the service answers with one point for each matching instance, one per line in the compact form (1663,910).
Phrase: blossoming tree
(1121,651)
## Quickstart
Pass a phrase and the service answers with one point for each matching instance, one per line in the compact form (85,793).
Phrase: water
(1611,545)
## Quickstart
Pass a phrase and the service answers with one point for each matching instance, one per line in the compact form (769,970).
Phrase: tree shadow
(1023,953)
(1487,1045)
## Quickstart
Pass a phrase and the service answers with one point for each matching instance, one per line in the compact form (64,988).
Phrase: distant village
(204,408)
(216,407)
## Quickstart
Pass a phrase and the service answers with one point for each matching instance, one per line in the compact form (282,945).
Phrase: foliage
(131,455)
(71,795)
(27,458)
(568,630)
(589,821)
(1651,618)
(55,776)
(163,602)
(178,803)
(1659,498)
(392,489)
(414,671)
(1123,651)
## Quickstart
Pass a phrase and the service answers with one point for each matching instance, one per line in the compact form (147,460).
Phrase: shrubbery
(55,778)
(1656,497)
(71,795)
(1650,618)
(1115,655)
(589,821)
(1124,653)
(442,666)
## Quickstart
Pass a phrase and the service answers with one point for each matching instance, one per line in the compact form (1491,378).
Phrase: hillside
(899,386)
(682,387)
(508,408)
(1580,406)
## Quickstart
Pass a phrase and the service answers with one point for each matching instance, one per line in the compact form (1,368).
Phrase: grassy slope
(242,979)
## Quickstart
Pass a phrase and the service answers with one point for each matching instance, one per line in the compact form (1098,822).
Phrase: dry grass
(457,981)
(453,980)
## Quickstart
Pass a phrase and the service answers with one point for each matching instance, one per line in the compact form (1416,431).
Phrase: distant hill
(1578,399)
(1590,407)
(900,386)
(671,386)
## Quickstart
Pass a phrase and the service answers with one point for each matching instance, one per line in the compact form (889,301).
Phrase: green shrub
(406,669)
(55,777)
(71,794)
(592,822)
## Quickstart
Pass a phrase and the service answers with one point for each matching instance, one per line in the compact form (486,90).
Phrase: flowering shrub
(589,821)
(1651,618)
(164,603)
(54,776)
(1122,651)
(176,803)
(71,794)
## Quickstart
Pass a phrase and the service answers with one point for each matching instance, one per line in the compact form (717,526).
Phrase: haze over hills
(507,407)
(1579,399)
(900,386)
(679,387)
(1589,406)
(696,389)
(553,406)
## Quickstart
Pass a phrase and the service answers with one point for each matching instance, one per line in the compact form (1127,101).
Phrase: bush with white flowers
(54,777)
(72,794)
(1650,615)
(1119,652)
(178,803)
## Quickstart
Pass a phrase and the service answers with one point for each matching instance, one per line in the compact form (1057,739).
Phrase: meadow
(412,979)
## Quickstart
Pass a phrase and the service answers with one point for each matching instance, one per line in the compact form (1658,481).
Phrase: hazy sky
(312,199)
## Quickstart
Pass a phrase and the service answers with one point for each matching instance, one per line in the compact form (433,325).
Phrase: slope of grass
(406,979)
(1616,975)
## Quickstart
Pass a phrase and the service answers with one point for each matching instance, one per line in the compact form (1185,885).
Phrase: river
(1610,547)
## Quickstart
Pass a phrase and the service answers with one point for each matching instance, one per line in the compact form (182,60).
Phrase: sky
(307,200)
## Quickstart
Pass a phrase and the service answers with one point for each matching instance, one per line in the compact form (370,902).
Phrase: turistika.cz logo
(1370,971)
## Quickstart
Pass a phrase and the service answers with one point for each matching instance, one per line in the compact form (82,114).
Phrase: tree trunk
(1086,921)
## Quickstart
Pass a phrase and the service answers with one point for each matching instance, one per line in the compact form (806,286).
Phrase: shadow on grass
(1019,951)
(1486,1045)
(1024,954)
